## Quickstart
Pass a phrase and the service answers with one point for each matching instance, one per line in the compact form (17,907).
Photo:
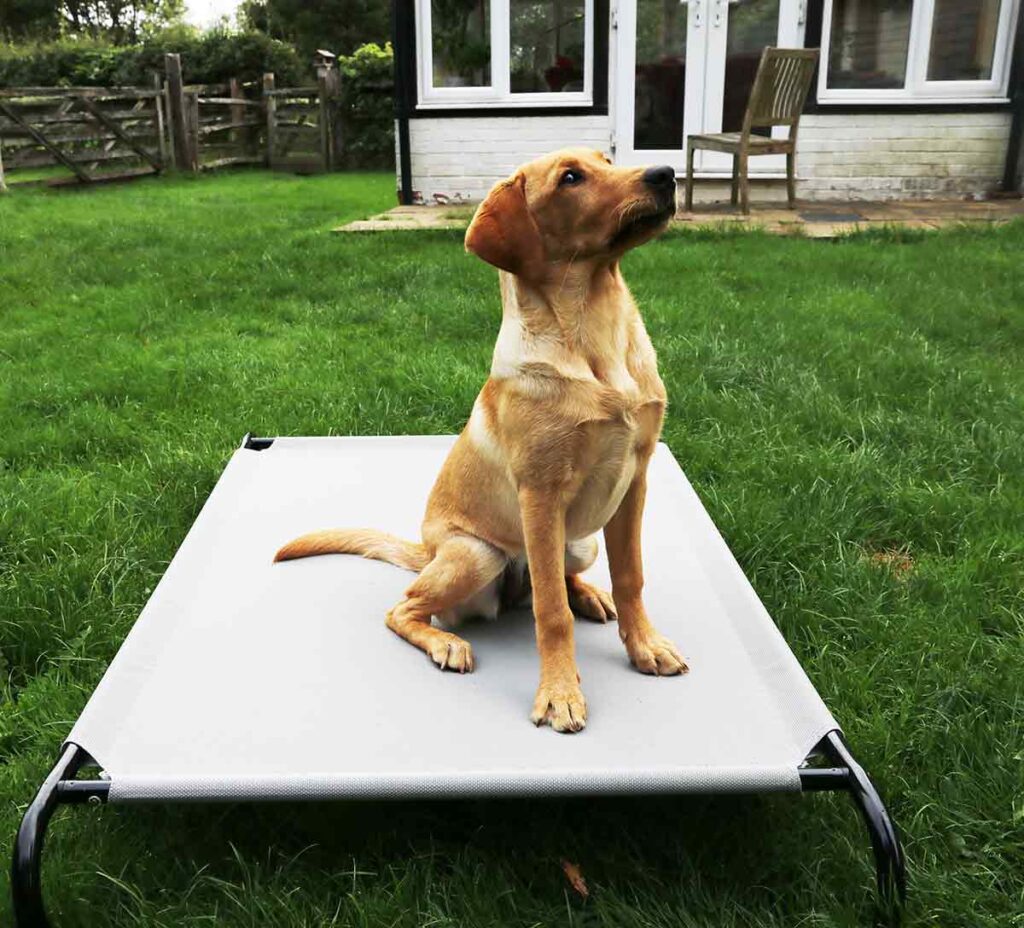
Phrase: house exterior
(913,98)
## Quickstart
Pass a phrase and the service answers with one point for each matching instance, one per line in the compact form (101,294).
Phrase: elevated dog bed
(248,680)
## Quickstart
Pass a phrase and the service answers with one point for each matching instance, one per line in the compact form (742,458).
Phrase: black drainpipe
(1011,173)
(402,37)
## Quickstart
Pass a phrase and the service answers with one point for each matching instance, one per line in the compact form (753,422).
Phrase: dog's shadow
(664,857)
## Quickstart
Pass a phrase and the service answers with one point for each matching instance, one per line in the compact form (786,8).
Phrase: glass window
(753,24)
(547,46)
(461,43)
(505,52)
(868,44)
(963,40)
(660,86)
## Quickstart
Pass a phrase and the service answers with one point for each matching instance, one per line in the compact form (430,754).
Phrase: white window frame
(917,88)
(499,93)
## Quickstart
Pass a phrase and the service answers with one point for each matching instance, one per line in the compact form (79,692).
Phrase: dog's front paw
(589,602)
(654,653)
(450,652)
(561,705)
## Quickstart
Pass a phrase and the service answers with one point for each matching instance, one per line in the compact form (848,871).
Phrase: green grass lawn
(851,413)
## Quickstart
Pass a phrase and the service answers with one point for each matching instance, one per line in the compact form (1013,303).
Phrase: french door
(687,67)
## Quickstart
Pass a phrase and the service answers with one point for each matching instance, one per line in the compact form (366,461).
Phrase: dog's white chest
(606,483)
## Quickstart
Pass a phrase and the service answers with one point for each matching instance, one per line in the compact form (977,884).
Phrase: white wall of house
(840,156)
(870,156)
(456,159)
(880,156)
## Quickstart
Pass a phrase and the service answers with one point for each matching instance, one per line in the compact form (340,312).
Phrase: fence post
(177,116)
(237,110)
(172,154)
(324,118)
(158,109)
(3,185)
(192,125)
(327,82)
(270,102)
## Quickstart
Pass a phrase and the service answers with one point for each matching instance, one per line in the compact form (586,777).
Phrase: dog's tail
(365,541)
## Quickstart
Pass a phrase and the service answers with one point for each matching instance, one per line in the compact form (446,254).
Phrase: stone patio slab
(814,219)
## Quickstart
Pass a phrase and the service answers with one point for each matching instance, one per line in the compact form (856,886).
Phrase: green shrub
(368,123)
(207,58)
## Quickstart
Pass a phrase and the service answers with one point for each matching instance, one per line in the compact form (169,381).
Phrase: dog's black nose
(663,175)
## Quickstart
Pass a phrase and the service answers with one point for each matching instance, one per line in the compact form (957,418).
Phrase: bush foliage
(207,58)
(367,115)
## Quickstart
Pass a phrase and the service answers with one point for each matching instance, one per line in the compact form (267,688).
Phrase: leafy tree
(207,58)
(26,19)
(121,22)
(340,26)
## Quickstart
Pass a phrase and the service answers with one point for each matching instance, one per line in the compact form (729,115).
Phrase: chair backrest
(780,87)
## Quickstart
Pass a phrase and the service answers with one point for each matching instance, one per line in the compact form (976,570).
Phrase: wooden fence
(99,133)
(86,130)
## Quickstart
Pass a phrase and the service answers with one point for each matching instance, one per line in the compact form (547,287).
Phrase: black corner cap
(252,443)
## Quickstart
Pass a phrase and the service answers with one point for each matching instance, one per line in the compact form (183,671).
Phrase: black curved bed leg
(890,866)
(26,885)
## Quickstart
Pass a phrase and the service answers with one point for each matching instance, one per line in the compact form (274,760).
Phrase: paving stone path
(818,219)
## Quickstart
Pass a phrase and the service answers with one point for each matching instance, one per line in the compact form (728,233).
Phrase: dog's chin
(642,228)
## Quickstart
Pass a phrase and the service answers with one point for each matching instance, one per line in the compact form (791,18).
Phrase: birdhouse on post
(327,74)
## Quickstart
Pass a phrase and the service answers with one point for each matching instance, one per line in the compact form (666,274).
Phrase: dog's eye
(570,178)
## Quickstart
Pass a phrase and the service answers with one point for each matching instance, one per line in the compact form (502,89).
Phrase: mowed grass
(851,413)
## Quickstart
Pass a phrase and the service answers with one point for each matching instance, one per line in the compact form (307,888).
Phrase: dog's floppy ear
(503,232)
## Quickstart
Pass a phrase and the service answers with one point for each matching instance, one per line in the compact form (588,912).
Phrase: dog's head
(571,205)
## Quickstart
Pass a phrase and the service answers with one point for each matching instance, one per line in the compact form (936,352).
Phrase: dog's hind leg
(462,565)
(585,600)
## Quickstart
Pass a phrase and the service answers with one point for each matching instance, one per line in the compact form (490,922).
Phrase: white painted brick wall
(461,159)
(871,156)
(882,156)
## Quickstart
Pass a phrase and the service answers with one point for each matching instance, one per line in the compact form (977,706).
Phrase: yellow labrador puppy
(558,443)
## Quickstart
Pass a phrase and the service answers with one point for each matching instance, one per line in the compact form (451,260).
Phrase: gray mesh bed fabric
(244,679)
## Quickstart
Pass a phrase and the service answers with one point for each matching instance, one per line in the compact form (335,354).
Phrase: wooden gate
(95,133)
(303,123)
(302,127)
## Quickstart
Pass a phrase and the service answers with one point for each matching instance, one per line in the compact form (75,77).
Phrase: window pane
(660,84)
(963,40)
(546,45)
(868,45)
(753,24)
(461,42)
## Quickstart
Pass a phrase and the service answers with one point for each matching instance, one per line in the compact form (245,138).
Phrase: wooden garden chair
(776,99)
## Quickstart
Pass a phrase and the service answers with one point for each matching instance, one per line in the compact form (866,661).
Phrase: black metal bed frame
(61,787)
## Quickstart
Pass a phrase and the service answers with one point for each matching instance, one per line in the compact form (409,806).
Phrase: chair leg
(689,178)
(791,179)
(734,193)
(744,184)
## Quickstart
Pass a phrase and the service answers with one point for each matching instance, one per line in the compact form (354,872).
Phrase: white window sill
(905,99)
(517,102)
(726,176)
